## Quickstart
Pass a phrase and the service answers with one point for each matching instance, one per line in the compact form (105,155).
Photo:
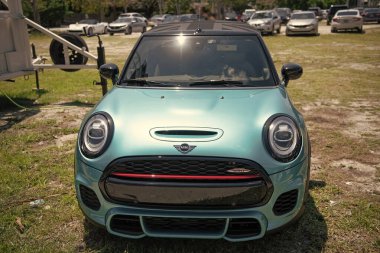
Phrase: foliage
(49,12)
(178,6)
(304,4)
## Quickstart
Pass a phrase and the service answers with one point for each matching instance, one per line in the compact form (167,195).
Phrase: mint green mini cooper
(197,139)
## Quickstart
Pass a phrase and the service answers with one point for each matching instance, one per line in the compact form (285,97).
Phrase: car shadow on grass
(14,111)
(309,234)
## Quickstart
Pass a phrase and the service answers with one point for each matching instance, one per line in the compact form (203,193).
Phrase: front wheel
(144,29)
(129,30)
(279,29)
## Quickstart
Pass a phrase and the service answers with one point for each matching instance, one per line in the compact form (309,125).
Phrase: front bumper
(233,224)
(263,27)
(290,30)
(117,30)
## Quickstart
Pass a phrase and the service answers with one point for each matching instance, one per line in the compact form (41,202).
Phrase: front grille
(181,167)
(126,224)
(285,202)
(89,198)
(184,225)
(243,227)
(186,182)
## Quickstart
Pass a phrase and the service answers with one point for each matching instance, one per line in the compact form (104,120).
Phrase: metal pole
(34,56)
(101,60)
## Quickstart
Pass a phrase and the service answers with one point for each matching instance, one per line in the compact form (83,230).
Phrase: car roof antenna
(199,29)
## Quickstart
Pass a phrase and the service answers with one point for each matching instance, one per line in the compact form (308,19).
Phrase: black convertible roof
(217,27)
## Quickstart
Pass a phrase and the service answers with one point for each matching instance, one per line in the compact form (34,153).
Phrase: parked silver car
(304,22)
(133,15)
(347,20)
(266,21)
(126,26)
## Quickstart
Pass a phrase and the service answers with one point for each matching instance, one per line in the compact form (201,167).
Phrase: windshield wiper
(144,82)
(226,83)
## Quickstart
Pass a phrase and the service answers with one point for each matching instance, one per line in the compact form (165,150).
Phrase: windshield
(303,16)
(198,60)
(260,15)
(348,13)
(88,21)
(123,20)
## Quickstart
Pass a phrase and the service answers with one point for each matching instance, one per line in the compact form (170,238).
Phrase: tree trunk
(36,14)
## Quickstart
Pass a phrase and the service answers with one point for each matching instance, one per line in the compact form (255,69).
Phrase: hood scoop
(184,134)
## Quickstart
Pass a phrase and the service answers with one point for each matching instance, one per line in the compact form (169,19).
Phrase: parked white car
(347,20)
(91,26)
(266,21)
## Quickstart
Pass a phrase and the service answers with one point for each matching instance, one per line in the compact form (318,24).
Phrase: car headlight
(96,134)
(282,138)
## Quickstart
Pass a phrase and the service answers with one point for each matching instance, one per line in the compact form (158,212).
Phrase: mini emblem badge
(184,148)
(239,170)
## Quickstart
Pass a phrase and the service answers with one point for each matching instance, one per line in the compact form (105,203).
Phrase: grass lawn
(338,96)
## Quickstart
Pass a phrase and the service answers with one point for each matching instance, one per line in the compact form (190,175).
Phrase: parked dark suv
(371,15)
(334,9)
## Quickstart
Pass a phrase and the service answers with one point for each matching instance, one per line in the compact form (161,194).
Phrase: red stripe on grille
(185,177)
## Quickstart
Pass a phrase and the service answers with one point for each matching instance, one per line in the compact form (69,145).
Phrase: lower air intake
(243,227)
(285,202)
(126,224)
(89,198)
(184,225)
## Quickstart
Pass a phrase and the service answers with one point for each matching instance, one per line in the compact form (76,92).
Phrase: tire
(129,30)
(279,29)
(57,55)
(111,34)
(144,29)
(360,29)
(272,31)
(90,31)
(105,30)
(333,30)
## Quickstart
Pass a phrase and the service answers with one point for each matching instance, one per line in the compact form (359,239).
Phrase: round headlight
(96,135)
(283,138)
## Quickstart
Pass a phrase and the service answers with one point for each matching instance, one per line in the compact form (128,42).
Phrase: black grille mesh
(126,224)
(190,225)
(285,202)
(89,198)
(243,227)
(181,167)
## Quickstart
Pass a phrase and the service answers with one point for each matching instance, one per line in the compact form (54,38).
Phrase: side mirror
(109,71)
(290,71)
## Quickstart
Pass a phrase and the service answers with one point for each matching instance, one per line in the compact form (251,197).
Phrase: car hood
(259,21)
(236,116)
(119,24)
(77,26)
(301,22)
